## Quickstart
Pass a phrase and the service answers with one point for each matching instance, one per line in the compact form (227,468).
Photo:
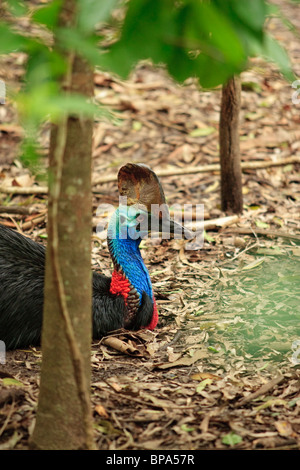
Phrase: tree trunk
(231,174)
(64,412)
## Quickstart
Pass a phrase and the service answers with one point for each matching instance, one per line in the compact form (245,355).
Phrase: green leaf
(203,384)
(231,439)
(46,101)
(44,65)
(48,15)
(17,7)
(187,428)
(219,40)
(10,41)
(202,132)
(274,52)
(248,17)
(92,12)
(253,207)
(192,38)
(11,381)
(208,237)
(261,224)
(73,40)
(213,349)
(137,125)
(254,264)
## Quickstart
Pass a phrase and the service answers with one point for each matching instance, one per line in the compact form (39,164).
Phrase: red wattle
(119,285)
(154,318)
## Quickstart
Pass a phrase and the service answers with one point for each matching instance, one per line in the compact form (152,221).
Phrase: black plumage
(22,265)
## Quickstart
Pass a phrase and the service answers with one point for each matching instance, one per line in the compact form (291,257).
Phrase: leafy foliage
(40,97)
(210,39)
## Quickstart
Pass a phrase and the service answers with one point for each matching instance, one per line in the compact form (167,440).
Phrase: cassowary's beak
(177,230)
(169,228)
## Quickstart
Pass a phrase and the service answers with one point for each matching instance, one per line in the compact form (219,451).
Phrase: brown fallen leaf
(284,428)
(121,346)
(101,411)
(150,445)
(262,390)
(172,356)
(205,375)
(12,128)
(184,361)
(23,181)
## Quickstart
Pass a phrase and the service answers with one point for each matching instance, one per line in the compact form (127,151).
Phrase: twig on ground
(161,173)
(261,391)
(262,232)
(211,168)
(18,210)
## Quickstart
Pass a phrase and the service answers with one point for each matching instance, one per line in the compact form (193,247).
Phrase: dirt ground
(221,370)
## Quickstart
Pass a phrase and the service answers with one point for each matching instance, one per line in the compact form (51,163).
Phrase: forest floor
(222,368)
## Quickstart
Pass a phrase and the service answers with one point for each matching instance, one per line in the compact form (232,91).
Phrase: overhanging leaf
(92,12)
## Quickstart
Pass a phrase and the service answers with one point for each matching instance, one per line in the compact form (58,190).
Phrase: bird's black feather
(22,268)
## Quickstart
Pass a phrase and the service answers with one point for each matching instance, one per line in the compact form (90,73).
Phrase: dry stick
(261,391)
(27,190)
(76,354)
(266,233)
(248,248)
(33,222)
(18,210)
(221,222)
(211,224)
(161,173)
(210,168)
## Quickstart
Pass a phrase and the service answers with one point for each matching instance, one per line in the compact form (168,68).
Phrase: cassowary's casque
(124,300)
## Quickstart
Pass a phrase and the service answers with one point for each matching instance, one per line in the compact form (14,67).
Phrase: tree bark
(231,173)
(64,412)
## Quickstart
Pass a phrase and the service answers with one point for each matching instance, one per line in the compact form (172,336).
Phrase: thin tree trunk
(64,412)
(231,174)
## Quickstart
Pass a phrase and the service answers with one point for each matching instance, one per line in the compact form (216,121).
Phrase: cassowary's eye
(140,218)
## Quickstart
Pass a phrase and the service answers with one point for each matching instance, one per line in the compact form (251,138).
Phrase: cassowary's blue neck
(128,261)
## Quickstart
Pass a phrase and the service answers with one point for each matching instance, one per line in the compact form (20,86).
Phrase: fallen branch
(262,232)
(221,222)
(262,390)
(25,190)
(212,224)
(18,210)
(161,173)
(210,168)
(33,222)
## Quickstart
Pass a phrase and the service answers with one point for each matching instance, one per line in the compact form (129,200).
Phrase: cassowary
(124,300)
